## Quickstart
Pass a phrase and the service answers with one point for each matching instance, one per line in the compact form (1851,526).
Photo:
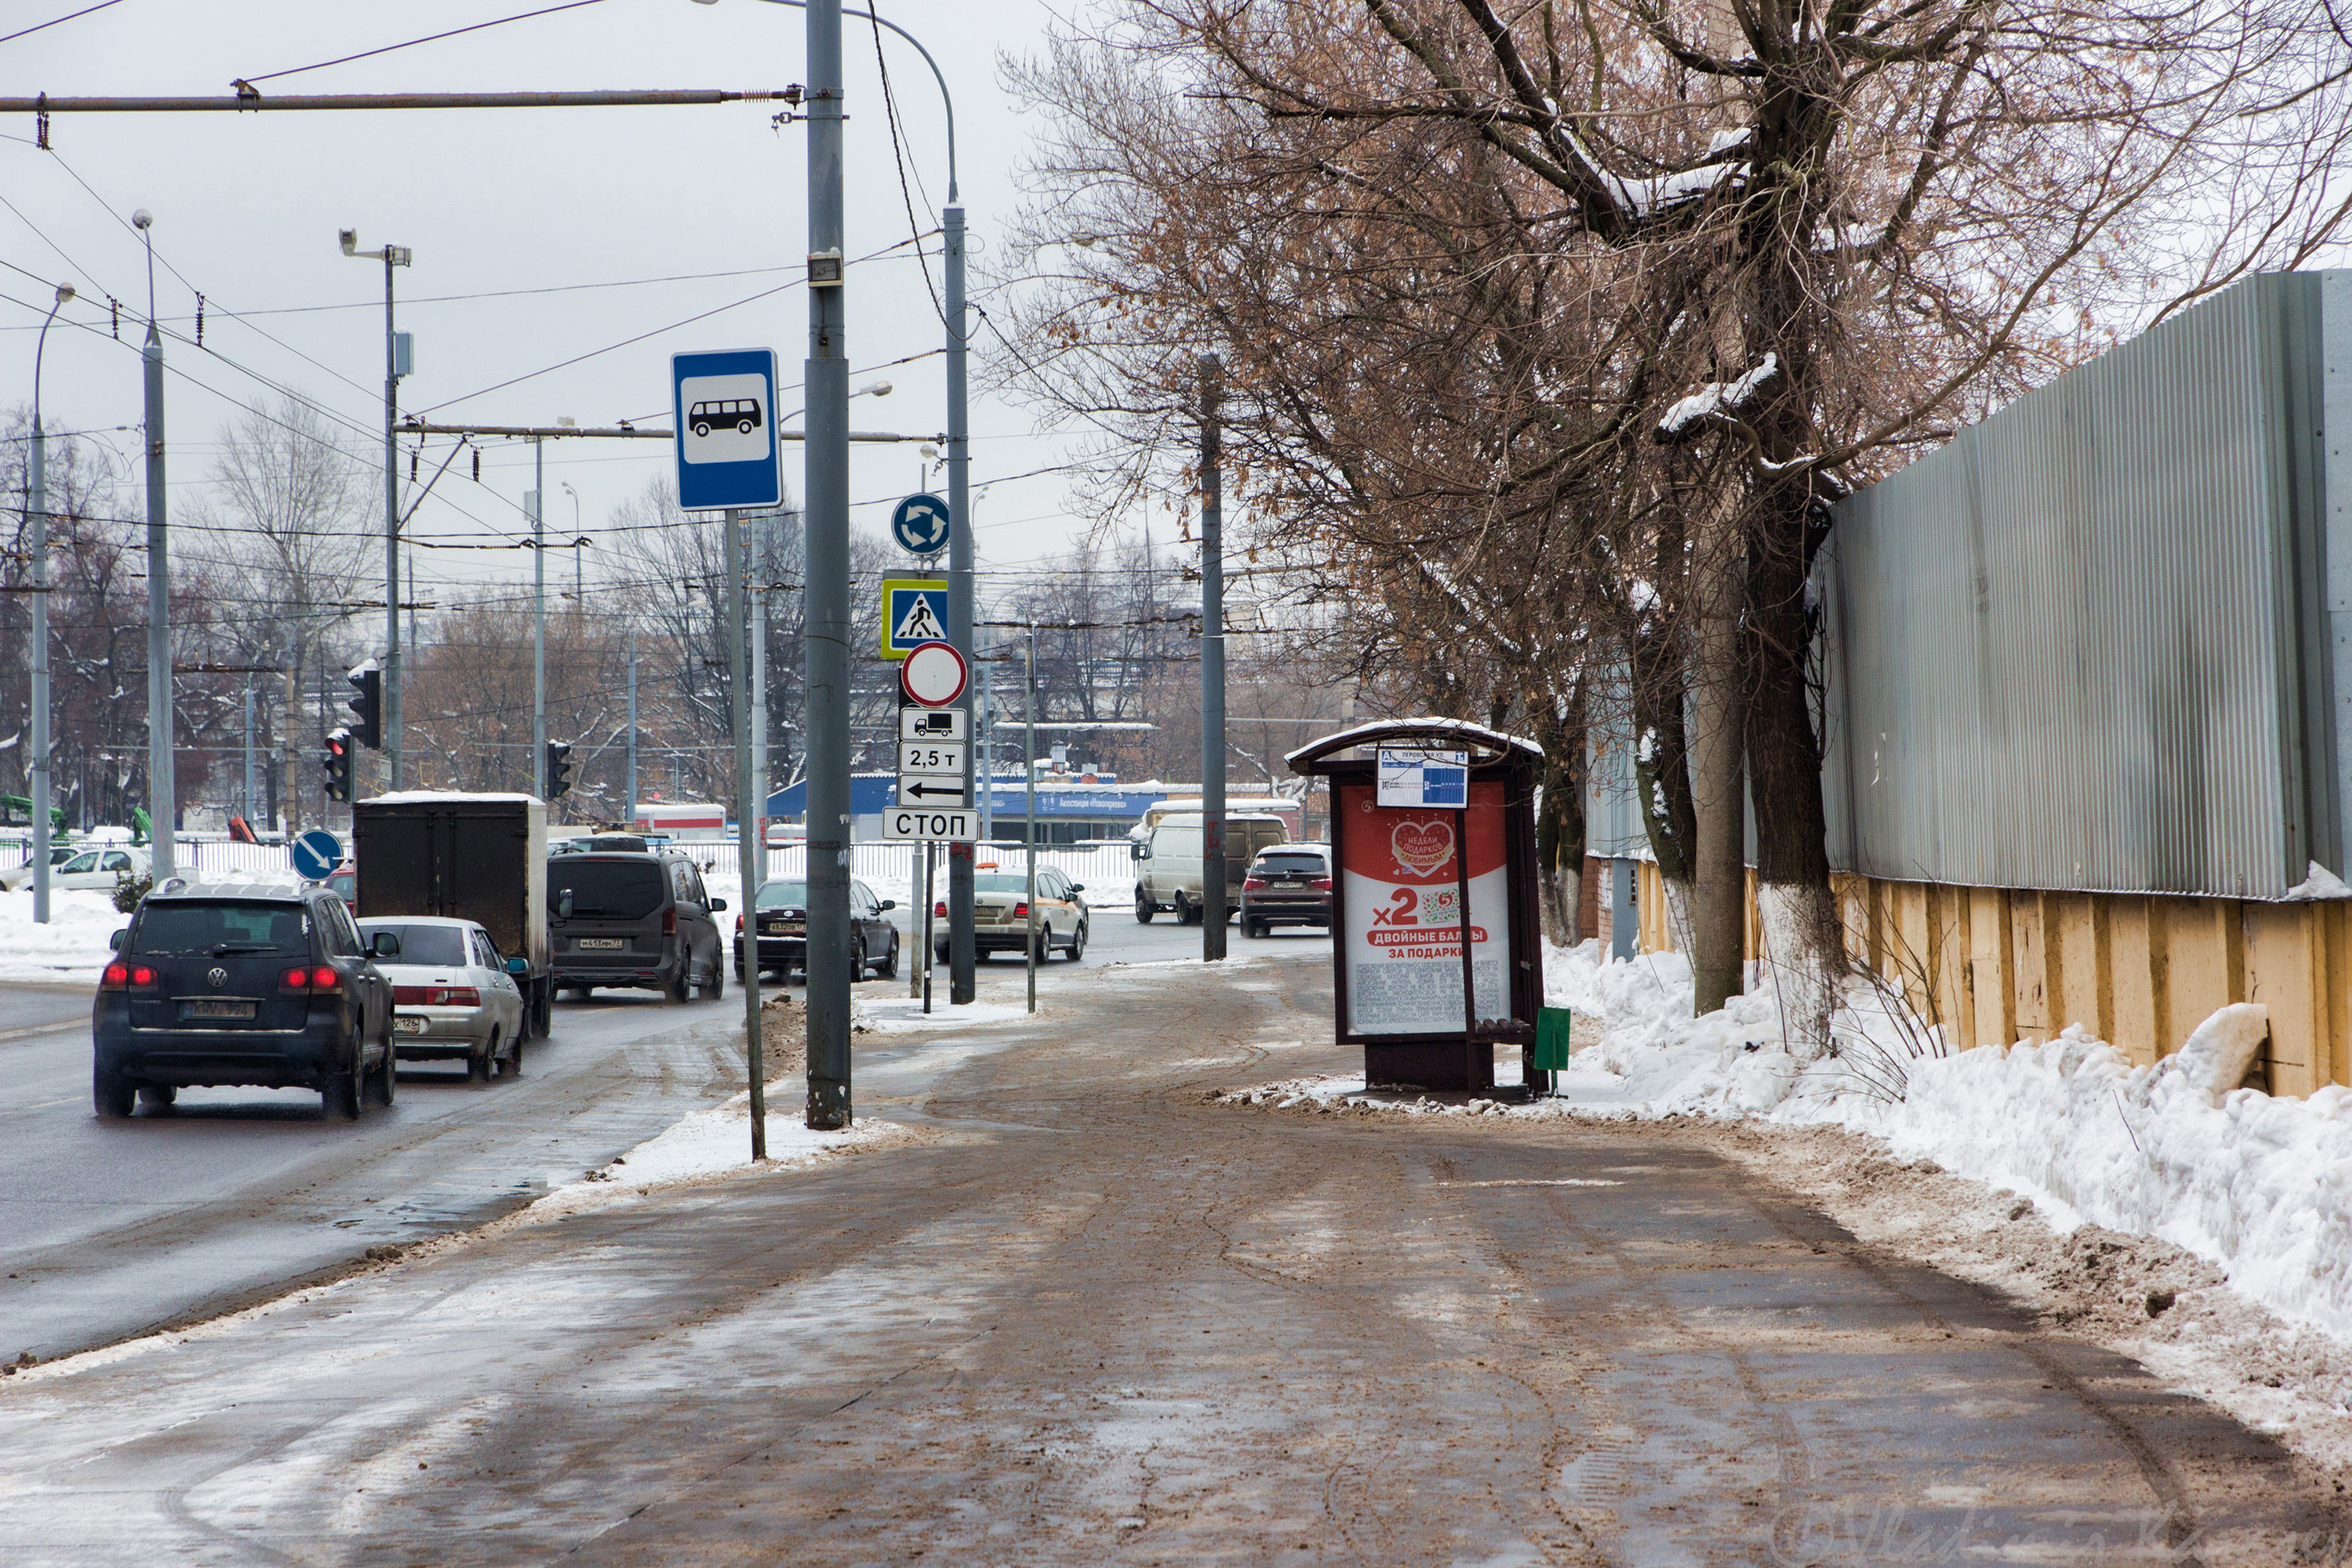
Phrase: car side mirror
(518,966)
(115,939)
(717,907)
(385,945)
(888,904)
(1077,887)
(563,904)
(1138,851)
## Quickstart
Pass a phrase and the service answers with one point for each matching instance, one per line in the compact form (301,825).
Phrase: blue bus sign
(723,408)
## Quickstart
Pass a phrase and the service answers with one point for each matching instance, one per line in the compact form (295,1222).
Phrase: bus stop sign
(723,408)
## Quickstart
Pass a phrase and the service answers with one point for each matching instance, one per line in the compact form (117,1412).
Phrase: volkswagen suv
(259,983)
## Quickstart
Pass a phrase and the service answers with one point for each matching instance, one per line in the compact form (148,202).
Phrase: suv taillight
(294,980)
(670,920)
(739,925)
(1324,882)
(127,977)
(1249,881)
(1019,912)
(940,910)
(323,979)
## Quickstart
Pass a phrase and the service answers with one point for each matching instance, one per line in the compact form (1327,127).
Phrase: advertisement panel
(1401,927)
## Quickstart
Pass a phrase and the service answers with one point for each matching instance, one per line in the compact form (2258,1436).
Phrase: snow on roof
(418,797)
(1494,739)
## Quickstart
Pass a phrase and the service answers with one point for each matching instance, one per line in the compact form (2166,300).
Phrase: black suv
(627,919)
(257,984)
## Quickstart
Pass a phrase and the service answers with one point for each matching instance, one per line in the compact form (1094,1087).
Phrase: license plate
(782,929)
(602,943)
(209,1009)
(407,1026)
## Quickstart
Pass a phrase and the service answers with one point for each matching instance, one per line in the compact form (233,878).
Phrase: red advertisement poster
(1401,931)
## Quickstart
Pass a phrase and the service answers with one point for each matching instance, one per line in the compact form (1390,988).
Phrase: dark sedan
(781,909)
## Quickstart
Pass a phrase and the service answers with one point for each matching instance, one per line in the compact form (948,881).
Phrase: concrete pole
(248,811)
(762,551)
(537,619)
(162,795)
(962,984)
(1029,828)
(825,484)
(1213,669)
(392,663)
(629,823)
(747,828)
(39,499)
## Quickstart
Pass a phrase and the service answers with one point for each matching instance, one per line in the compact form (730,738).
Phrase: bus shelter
(1428,1008)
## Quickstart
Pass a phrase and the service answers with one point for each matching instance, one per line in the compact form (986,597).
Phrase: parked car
(343,882)
(1169,876)
(452,997)
(1000,915)
(640,920)
(781,909)
(18,878)
(98,868)
(1289,884)
(238,983)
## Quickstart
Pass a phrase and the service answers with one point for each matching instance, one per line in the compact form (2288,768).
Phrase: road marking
(1559,1181)
(67,1026)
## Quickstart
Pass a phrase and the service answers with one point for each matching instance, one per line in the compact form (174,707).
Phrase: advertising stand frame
(1458,1058)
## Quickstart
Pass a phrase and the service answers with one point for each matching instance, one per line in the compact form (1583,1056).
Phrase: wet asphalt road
(110,1229)
(1091,1318)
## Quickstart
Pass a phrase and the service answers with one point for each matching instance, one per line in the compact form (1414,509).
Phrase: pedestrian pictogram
(922,525)
(914,611)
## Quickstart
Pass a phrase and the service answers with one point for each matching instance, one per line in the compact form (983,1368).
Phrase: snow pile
(709,1143)
(72,946)
(2260,1187)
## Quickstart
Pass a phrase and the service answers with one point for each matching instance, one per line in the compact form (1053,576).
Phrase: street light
(163,796)
(579,540)
(392,256)
(39,502)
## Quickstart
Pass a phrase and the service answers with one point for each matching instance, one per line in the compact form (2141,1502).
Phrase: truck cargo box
(470,857)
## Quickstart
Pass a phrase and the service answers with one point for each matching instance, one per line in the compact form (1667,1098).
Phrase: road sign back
(922,524)
(914,610)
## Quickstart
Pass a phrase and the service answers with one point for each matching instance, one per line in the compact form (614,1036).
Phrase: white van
(1168,869)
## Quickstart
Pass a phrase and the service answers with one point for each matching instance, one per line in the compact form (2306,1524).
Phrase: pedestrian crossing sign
(914,610)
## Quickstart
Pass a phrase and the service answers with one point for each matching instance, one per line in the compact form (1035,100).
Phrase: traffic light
(338,763)
(368,705)
(559,767)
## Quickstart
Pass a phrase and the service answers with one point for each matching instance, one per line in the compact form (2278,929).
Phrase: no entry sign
(934,673)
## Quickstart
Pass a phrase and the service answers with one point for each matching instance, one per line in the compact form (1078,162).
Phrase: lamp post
(163,797)
(577,541)
(392,256)
(39,500)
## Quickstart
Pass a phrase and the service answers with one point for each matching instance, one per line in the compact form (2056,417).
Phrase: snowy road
(1096,1318)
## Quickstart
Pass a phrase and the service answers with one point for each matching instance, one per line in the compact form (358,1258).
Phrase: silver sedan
(452,997)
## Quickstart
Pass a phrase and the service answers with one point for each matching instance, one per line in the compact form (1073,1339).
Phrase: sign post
(933,797)
(1436,941)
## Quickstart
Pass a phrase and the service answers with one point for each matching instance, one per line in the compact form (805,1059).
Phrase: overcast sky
(492,202)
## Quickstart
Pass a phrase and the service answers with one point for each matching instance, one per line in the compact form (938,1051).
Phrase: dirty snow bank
(713,1142)
(72,946)
(2260,1187)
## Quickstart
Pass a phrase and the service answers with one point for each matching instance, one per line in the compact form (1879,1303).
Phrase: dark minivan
(636,920)
(259,983)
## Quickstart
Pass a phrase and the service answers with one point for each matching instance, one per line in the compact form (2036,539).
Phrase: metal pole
(825,485)
(163,796)
(962,955)
(1029,831)
(922,925)
(539,620)
(249,751)
(761,552)
(983,755)
(629,823)
(1462,898)
(390,698)
(1213,670)
(39,498)
(746,829)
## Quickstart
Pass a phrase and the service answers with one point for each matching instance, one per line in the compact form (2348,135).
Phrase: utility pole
(537,621)
(162,794)
(826,487)
(392,256)
(629,823)
(1029,828)
(761,547)
(249,751)
(1213,669)
(747,829)
(962,955)
(39,499)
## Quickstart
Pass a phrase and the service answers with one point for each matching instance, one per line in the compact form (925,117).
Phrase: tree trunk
(1718,879)
(1559,819)
(1661,760)
(290,738)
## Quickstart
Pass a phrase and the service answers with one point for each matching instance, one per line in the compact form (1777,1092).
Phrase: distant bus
(742,412)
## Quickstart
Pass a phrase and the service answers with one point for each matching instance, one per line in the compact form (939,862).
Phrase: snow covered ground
(2239,1203)
(707,1143)
(72,946)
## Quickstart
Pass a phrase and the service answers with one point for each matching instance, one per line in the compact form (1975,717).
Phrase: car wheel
(386,1077)
(717,985)
(483,1066)
(157,1098)
(1183,908)
(890,960)
(110,1093)
(856,957)
(1044,949)
(1144,909)
(514,1059)
(343,1095)
(681,987)
(1079,943)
